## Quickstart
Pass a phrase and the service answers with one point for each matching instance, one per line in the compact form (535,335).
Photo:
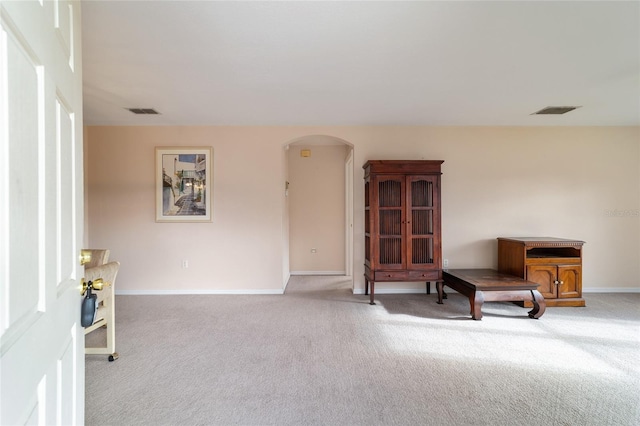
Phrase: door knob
(85,257)
(96,284)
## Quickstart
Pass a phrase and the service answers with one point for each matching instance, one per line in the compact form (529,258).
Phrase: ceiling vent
(143,110)
(555,110)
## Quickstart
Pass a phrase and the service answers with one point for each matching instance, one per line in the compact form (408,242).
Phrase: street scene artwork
(183,184)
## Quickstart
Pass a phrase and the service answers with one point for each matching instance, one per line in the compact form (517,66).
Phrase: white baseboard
(396,291)
(355,291)
(186,292)
(318,272)
(286,283)
(433,291)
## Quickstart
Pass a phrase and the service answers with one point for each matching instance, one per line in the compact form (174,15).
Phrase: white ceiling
(361,63)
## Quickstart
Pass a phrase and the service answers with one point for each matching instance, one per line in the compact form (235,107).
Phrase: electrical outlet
(185,264)
(445,263)
(314,250)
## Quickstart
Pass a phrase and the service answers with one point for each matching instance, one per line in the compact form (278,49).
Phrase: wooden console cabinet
(402,222)
(554,263)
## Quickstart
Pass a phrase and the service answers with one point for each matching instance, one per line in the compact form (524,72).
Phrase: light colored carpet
(319,355)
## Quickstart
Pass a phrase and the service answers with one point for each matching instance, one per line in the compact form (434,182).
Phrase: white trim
(190,292)
(348,177)
(394,291)
(286,283)
(5,319)
(419,291)
(284,287)
(355,291)
(318,273)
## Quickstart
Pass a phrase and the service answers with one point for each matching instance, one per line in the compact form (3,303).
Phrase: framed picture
(183,184)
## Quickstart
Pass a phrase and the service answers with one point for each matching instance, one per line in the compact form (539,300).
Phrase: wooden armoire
(402,222)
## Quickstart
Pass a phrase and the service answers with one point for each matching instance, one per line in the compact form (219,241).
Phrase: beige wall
(317,209)
(581,183)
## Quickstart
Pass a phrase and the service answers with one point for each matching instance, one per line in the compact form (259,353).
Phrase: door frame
(348,182)
(349,195)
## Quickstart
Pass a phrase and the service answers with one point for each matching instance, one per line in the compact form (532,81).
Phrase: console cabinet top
(542,241)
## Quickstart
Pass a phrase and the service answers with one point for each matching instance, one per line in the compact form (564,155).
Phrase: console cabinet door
(546,276)
(570,281)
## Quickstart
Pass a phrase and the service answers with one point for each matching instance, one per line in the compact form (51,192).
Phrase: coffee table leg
(539,305)
(440,288)
(476,299)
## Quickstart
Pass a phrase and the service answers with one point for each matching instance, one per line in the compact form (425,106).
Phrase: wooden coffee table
(481,285)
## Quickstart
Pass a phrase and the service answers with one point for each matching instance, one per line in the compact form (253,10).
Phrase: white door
(41,213)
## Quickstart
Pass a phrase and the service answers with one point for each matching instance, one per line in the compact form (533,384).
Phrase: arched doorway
(319,206)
